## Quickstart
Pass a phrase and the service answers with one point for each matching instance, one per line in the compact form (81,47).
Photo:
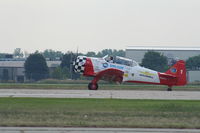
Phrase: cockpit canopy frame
(125,61)
(122,61)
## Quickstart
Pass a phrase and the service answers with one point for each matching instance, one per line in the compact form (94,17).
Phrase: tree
(36,67)
(66,65)
(18,53)
(111,52)
(154,60)
(91,54)
(193,63)
(51,54)
(67,59)
(57,73)
(119,53)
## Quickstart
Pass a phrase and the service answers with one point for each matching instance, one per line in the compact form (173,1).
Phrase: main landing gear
(92,86)
(169,88)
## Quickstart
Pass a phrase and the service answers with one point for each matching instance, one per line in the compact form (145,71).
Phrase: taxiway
(115,94)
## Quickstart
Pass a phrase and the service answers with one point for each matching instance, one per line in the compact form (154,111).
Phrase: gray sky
(93,25)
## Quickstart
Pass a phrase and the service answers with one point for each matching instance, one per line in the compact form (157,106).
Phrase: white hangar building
(137,53)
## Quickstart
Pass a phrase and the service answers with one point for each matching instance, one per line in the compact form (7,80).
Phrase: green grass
(99,113)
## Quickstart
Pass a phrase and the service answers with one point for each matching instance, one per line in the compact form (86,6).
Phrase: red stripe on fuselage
(89,69)
(143,82)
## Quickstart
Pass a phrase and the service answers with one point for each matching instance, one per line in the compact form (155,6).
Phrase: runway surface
(115,94)
(92,130)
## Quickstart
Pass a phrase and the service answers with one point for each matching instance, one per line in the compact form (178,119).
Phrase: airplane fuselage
(131,73)
(128,71)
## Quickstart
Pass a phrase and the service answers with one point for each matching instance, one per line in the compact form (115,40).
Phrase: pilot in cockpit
(111,60)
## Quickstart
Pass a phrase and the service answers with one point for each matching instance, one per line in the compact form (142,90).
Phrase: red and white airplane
(127,70)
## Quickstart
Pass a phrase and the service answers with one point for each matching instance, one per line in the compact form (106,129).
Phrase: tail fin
(179,71)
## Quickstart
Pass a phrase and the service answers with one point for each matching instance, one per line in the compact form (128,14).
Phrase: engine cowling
(83,65)
(79,64)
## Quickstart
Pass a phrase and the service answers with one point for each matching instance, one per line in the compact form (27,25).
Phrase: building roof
(21,63)
(163,48)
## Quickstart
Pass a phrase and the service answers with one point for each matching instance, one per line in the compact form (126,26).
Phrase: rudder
(179,71)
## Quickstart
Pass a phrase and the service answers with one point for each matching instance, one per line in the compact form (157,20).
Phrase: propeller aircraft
(123,69)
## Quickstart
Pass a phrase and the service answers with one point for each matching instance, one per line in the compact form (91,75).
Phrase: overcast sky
(93,25)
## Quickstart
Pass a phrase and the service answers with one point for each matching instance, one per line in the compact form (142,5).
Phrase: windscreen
(125,61)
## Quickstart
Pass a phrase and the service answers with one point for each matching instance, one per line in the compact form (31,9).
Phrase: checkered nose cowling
(79,64)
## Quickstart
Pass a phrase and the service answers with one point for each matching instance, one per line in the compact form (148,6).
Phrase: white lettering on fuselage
(135,73)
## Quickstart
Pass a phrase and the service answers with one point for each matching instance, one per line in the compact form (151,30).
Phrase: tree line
(36,67)
(55,55)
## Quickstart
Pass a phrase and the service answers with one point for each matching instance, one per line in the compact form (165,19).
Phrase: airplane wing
(110,74)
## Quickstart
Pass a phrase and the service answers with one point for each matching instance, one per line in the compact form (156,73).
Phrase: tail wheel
(92,86)
(169,89)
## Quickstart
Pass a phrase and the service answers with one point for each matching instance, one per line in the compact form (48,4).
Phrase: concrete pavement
(115,94)
(92,130)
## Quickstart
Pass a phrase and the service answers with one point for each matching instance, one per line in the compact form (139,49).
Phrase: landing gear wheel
(169,89)
(92,86)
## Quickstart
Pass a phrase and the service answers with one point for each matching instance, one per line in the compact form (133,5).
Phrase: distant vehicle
(122,69)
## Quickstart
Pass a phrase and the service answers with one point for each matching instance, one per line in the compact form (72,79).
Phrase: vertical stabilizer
(179,71)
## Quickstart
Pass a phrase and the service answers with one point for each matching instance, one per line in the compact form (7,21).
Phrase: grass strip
(99,113)
(101,86)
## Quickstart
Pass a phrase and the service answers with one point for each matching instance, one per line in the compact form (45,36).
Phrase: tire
(169,89)
(92,86)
